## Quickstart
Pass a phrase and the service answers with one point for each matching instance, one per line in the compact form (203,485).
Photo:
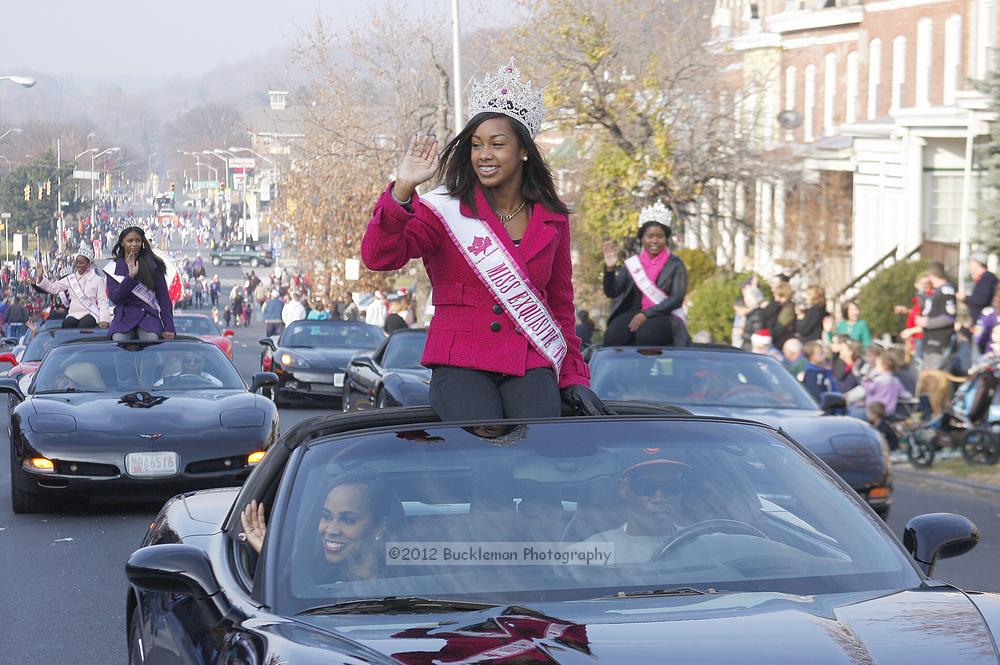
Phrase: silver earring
(524,159)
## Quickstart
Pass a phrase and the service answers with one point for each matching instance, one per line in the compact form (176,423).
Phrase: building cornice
(812,19)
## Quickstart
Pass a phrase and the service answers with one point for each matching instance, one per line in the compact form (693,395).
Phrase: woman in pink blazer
(484,364)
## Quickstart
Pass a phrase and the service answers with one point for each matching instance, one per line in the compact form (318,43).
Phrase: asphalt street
(63,585)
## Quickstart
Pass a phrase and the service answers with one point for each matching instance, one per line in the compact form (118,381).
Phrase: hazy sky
(160,38)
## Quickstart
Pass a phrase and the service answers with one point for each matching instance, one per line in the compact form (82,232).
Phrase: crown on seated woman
(122,223)
(505,93)
(86,250)
(656,213)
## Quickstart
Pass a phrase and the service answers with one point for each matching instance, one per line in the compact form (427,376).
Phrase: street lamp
(93,157)
(274,166)
(16,130)
(23,81)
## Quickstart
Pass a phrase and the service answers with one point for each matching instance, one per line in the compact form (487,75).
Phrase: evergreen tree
(989,160)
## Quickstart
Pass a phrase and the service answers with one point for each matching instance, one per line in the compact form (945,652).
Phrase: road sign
(86,175)
(242,163)
(4,215)
(204,184)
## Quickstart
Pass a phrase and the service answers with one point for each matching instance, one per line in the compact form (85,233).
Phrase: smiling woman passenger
(495,241)
(648,291)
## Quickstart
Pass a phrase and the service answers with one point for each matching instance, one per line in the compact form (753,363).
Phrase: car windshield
(696,378)
(195,325)
(45,340)
(331,334)
(572,510)
(404,351)
(131,368)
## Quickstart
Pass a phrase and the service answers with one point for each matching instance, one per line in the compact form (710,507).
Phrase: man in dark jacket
(985,285)
(938,318)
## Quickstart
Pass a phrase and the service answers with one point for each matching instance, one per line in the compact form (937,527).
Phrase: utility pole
(59,212)
(456,66)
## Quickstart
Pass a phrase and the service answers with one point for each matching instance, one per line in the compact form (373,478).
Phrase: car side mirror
(8,358)
(11,341)
(363,361)
(934,536)
(179,569)
(268,342)
(832,403)
(11,387)
(228,332)
(263,379)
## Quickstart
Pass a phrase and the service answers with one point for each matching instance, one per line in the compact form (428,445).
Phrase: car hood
(189,411)
(823,435)
(321,358)
(926,626)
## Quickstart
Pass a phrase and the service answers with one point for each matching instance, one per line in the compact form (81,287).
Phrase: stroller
(970,424)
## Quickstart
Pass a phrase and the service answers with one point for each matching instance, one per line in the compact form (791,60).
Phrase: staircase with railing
(891,258)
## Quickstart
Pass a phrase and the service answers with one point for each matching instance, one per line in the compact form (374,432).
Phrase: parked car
(638,538)
(715,380)
(103,418)
(310,357)
(204,328)
(247,253)
(390,376)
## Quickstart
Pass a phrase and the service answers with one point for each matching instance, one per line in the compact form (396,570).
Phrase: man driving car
(191,364)
(652,491)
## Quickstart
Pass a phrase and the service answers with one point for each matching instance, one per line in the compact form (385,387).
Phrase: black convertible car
(391,376)
(134,419)
(388,537)
(310,357)
(713,380)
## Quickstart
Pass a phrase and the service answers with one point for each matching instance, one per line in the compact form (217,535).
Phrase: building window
(952,57)
(874,76)
(943,210)
(278,99)
(850,109)
(925,46)
(809,104)
(898,72)
(829,91)
(790,88)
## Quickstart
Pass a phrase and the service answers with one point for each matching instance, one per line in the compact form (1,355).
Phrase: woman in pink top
(502,342)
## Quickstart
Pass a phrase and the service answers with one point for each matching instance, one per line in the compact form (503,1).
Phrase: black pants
(458,393)
(655,331)
(86,322)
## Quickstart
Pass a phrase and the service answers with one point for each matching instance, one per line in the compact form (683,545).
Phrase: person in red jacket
(495,241)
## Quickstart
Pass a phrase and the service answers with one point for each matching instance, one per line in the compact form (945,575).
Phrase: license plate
(151,465)
(338,380)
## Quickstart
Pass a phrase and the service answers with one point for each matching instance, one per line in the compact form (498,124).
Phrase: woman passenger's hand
(418,165)
(169,335)
(132,261)
(636,321)
(610,251)
(254,526)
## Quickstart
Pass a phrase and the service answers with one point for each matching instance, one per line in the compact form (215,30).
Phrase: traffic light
(173,187)
(48,188)
(222,186)
(27,192)
(41,191)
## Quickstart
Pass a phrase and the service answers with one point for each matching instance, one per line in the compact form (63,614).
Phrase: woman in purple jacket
(138,288)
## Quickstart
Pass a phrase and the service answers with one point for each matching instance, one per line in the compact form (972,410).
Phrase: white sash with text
(647,287)
(77,288)
(500,273)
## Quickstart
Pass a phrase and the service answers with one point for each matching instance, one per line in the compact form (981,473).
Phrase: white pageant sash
(501,274)
(141,291)
(81,297)
(647,286)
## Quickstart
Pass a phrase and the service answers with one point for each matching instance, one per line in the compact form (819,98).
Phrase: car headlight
(242,418)
(289,360)
(52,423)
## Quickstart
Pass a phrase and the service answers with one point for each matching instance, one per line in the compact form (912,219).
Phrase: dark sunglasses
(649,486)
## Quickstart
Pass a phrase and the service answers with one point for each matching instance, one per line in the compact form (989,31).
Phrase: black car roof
(421,416)
(724,348)
(405,331)
(150,342)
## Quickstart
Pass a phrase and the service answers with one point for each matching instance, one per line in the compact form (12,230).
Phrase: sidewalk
(955,472)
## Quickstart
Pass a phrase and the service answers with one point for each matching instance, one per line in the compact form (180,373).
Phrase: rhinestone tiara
(656,213)
(506,93)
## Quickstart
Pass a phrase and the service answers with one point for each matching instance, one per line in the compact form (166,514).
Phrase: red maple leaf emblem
(480,245)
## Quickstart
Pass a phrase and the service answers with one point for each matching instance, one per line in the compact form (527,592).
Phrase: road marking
(62,540)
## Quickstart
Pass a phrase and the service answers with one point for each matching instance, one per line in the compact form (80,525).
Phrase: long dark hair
(458,174)
(149,263)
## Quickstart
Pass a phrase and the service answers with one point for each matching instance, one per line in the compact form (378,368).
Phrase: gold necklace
(507,216)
